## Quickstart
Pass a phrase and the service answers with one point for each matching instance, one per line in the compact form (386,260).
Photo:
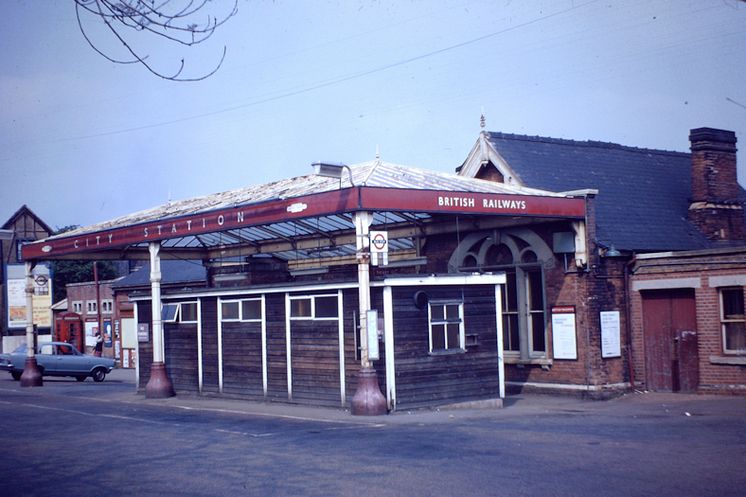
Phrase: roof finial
(378,152)
(482,121)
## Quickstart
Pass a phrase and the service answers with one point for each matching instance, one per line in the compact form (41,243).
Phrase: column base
(368,399)
(159,386)
(31,376)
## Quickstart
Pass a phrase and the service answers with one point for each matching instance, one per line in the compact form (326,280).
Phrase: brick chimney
(715,207)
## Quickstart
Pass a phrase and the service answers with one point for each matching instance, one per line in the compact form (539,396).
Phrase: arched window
(522,255)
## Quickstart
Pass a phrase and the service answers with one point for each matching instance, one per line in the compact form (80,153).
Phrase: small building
(22,227)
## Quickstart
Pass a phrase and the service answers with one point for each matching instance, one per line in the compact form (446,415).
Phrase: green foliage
(64,272)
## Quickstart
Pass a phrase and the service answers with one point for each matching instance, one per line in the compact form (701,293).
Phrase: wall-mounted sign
(564,337)
(143,332)
(611,345)
(379,246)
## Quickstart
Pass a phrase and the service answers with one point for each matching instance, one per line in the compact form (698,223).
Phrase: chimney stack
(715,206)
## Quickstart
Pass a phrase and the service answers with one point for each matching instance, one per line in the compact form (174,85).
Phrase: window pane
(251,309)
(326,307)
(188,312)
(229,310)
(511,292)
(452,312)
(537,332)
(510,333)
(439,341)
(454,334)
(436,312)
(168,312)
(535,291)
(300,308)
(735,337)
(732,303)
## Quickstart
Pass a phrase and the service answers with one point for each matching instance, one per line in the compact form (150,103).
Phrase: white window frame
(107,306)
(313,316)
(241,318)
(91,307)
(177,317)
(461,346)
(725,321)
(77,306)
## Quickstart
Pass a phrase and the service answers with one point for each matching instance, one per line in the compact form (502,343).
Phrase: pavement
(120,386)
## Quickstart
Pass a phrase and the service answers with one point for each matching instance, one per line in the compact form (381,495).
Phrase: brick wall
(699,270)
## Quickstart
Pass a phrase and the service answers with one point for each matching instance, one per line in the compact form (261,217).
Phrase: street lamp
(332,171)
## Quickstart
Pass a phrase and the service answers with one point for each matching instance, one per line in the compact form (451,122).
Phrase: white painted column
(500,344)
(220,346)
(341,329)
(264,345)
(288,349)
(362,241)
(200,371)
(388,344)
(155,300)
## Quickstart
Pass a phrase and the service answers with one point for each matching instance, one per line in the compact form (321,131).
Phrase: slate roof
(643,194)
(172,273)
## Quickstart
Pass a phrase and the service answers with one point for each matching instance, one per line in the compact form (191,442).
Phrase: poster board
(611,344)
(564,336)
(16,296)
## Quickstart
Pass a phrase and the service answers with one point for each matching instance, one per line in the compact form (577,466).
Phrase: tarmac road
(101,439)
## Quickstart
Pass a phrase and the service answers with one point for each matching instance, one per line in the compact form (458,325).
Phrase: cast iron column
(31,376)
(159,385)
(368,399)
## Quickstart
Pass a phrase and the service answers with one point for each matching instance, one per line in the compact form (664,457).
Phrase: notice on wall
(564,341)
(611,345)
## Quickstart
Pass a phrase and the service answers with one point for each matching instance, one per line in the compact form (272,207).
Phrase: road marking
(84,413)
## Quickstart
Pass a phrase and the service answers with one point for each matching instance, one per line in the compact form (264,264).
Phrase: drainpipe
(31,376)
(628,318)
(159,386)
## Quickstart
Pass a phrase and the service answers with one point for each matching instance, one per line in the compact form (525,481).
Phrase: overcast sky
(84,140)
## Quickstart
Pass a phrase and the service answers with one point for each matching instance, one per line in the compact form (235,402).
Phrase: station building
(390,287)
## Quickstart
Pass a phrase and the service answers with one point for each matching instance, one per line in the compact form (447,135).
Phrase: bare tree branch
(177,21)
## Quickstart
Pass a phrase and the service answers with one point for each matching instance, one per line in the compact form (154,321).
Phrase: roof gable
(25,211)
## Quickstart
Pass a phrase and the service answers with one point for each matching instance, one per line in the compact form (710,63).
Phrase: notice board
(611,344)
(564,337)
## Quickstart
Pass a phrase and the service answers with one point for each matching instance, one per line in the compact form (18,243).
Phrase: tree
(181,22)
(64,272)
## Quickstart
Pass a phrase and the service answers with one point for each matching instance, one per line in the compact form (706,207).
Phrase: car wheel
(98,375)
(16,375)
(80,378)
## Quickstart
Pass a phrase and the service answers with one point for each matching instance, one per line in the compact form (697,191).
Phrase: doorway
(670,337)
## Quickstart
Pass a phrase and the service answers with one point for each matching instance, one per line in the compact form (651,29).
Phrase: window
(511,331)
(314,307)
(733,320)
(241,310)
(446,326)
(91,307)
(78,306)
(183,312)
(524,289)
(107,306)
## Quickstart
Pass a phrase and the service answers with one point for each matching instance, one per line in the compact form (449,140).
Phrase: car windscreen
(20,349)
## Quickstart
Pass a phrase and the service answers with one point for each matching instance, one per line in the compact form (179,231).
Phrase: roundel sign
(379,241)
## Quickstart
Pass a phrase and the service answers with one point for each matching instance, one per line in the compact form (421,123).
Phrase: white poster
(564,341)
(611,345)
(41,300)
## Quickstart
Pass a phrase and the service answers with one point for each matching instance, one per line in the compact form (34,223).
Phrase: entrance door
(669,329)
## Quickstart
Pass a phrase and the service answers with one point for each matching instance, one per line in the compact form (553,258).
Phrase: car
(58,359)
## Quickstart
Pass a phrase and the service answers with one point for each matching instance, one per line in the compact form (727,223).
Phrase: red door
(669,329)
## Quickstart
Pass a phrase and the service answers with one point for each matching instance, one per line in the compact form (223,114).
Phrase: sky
(84,140)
